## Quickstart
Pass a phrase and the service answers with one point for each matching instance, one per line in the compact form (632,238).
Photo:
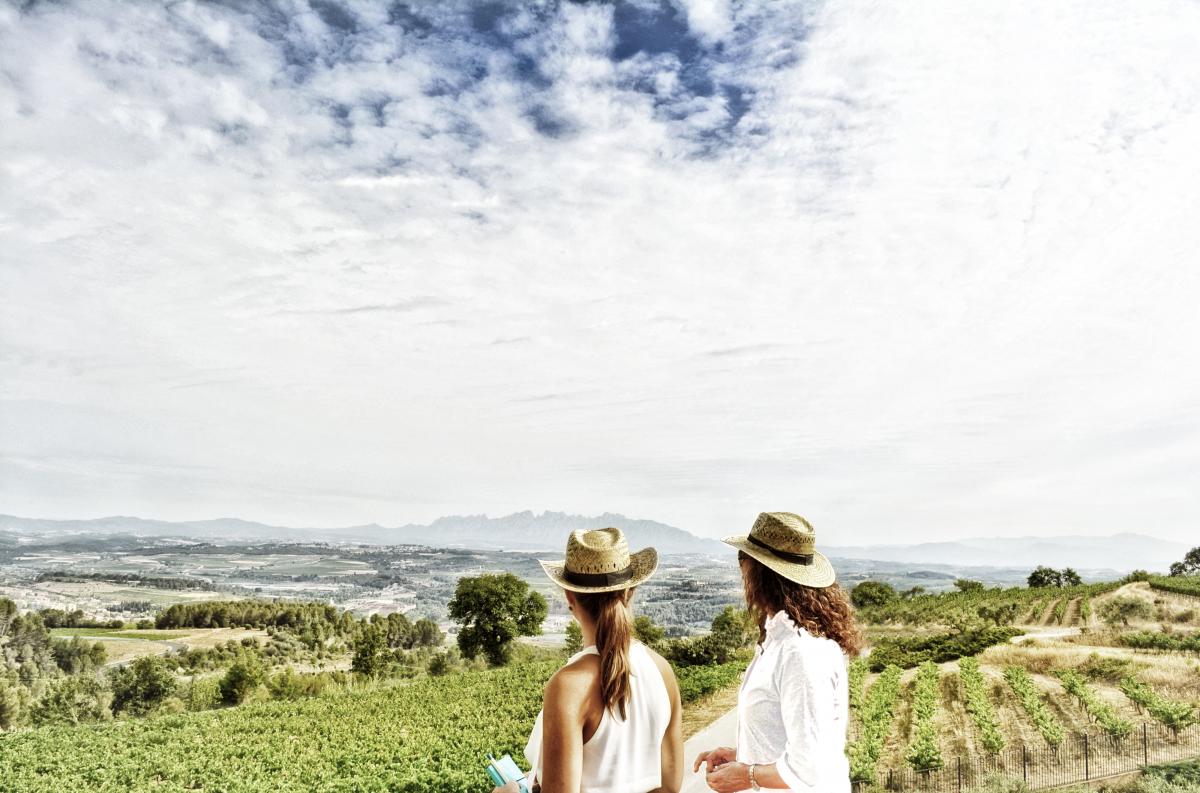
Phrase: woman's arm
(807,710)
(672,743)
(732,777)
(562,731)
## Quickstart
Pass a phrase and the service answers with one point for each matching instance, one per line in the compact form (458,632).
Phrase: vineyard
(1063,606)
(1066,704)
(425,737)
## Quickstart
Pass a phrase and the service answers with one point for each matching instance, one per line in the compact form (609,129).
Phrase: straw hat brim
(819,574)
(643,564)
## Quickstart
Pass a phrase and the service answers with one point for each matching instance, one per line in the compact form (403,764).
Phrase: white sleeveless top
(624,755)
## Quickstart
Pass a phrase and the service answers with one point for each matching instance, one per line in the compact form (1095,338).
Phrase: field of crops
(423,737)
(1064,606)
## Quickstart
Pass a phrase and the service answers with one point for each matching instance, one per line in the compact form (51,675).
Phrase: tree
(1043,576)
(492,610)
(13,703)
(77,699)
(734,628)
(968,585)
(8,615)
(646,631)
(912,592)
(1190,565)
(999,614)
(574,638)
(242,678)
(426,633)
(142,686)
(1122,609)
(872,593)
(368,651)
(1070,577)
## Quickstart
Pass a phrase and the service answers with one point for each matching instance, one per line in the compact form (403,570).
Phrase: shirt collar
(778,626)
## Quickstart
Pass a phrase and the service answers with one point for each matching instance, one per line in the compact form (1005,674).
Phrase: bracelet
(753,782)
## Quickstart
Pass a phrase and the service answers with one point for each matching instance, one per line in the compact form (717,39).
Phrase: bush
(909,652)
(141,686)
(241,679)
(203,694)
(1106,668)
(288,684)
(73,700)
(696,682)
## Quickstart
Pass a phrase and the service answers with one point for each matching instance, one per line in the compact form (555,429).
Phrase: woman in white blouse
(793,703)
(611,718)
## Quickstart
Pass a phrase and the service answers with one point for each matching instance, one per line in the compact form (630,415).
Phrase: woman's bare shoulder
(575,680)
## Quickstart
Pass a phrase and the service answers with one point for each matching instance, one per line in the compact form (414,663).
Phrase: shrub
(910,652)
(241,679)
(203,694)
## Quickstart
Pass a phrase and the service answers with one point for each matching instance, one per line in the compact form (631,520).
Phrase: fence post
(889,779)
(1024,764)
(960,775)
(1087,771)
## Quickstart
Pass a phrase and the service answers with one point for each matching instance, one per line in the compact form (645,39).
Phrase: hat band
(798,558)
(598,579)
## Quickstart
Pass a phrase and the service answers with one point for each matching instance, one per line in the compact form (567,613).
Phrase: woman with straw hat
(793,704)
(610,722)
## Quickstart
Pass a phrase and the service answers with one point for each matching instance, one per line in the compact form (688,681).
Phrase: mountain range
(521,531)
(544,531)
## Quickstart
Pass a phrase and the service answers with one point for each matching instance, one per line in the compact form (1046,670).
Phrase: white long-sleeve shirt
(793,708)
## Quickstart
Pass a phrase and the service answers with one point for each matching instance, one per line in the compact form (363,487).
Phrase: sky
(916,270)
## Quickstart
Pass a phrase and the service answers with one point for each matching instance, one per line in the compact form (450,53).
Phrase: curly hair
(822,611)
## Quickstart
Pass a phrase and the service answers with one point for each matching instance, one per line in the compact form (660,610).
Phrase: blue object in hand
(504,770)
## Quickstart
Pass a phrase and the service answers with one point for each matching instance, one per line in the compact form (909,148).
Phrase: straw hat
(599,561)
(786,543)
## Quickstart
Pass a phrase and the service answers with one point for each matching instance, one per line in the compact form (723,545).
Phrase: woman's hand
(729,778)
(714,757)
(507,787)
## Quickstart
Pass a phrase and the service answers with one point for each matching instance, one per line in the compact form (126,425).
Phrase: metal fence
(1079,758)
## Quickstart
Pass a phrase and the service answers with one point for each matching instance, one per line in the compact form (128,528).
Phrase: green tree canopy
(1070,577)
(141,686)
(646,631)
(1043,576)
(492,610)
(872,593)
(1189,565)
(1121,610)
(244,675)
(968,585)
(368,651)
(574,638)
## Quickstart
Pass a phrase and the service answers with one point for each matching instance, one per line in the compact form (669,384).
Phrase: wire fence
(1079,758)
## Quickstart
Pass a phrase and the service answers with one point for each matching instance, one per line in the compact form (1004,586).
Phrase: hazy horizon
(400,524)
(903,269)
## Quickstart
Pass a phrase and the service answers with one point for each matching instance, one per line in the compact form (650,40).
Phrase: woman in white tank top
(610,721)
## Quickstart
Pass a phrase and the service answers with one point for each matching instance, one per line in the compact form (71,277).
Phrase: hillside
(527,530)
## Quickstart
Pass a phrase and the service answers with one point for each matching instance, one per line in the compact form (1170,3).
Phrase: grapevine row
(1034,705)
(1172,714)
(979,705)
(923,752)
(875,717)
(1104,714)
(857,680)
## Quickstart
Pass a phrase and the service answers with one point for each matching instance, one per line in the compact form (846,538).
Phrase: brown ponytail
(614,630)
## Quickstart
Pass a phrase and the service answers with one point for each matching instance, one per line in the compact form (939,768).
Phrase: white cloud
(918,268)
